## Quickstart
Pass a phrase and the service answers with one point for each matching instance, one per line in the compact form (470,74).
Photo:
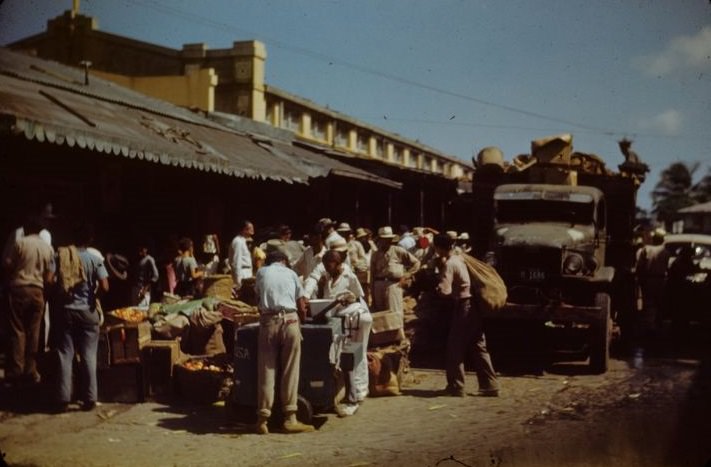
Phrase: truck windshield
(520,211)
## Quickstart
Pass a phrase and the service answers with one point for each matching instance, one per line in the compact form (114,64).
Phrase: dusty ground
(657,414)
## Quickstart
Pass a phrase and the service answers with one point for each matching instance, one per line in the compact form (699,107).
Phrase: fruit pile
(130,314)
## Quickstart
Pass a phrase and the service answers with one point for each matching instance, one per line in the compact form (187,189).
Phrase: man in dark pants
(465,330)
(30,266)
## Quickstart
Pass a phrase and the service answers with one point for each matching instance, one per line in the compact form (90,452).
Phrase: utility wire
(166,9)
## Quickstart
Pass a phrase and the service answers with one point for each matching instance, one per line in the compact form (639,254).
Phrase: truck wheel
(304,411)
(600,334)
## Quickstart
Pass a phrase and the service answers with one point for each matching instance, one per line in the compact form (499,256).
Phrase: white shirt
(308,262)
(311,282)
(18,234)
(240,260)
(278,288)
(346,281)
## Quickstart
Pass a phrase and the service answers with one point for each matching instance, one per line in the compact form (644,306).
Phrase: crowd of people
(358,269)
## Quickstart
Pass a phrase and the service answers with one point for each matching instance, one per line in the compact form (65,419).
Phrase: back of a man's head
(443,241)
(275,256)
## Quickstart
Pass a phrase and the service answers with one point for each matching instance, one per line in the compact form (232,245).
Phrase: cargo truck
(558,227)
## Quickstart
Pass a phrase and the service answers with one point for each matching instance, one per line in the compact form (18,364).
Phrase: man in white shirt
(340,282)
(240,257)
(282,306)
(311,257)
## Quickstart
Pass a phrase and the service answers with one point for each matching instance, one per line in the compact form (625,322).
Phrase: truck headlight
(573,264)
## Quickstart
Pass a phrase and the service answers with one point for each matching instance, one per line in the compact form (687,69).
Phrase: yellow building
(230,81)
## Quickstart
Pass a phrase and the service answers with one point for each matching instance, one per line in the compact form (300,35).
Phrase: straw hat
(117,266)
(361,232)
(343,227)
(386,232)
(452,234)
(338,244)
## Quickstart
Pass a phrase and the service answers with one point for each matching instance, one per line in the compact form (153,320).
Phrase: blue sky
(459,75)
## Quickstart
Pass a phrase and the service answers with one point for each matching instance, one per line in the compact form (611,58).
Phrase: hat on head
(463,236)
(452,234)
(327,221)
(338,244)
(361,232)
(117,265)
(343,227)
(275,244)
(418,231)
(386,232)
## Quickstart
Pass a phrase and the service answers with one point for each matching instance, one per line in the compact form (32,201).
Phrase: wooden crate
(121,343)
(387,329)
(159,358)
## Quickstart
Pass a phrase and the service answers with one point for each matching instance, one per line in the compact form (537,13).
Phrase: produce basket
(203,380)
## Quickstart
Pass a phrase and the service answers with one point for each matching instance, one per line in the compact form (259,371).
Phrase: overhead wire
(363,69)
(580,127)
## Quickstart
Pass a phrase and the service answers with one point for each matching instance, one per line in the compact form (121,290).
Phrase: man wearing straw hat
(390,266)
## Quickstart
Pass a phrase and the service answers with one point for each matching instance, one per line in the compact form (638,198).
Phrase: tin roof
(49,102)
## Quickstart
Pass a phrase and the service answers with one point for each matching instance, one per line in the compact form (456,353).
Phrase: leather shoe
(298,427)
(488,393)
(454,391)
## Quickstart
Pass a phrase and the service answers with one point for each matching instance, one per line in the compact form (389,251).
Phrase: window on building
(412,160)
(341,138)
(362,142)
(379,147)
(292,120)
(397,154)
(318,129)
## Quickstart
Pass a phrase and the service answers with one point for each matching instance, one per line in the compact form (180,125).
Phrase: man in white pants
(340,283)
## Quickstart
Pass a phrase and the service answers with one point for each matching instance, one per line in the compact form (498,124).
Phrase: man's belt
(279,311)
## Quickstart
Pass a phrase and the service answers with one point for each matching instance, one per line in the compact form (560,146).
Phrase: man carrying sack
(465,330)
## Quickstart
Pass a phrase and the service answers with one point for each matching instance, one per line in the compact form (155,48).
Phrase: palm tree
(701,192)
(674,191)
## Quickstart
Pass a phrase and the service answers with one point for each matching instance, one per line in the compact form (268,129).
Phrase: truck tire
(304,411)
(600,334)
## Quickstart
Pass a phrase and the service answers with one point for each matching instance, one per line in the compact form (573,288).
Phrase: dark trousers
(467,336)
(25,309)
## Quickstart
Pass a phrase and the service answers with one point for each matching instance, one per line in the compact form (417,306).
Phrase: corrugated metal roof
(49,102)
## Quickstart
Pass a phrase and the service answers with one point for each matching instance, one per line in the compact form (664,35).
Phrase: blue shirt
(278,288)
(83,295)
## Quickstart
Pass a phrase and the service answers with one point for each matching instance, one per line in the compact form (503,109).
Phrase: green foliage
(676,190)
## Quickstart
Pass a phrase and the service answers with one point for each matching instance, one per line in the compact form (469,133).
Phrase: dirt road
(659,414)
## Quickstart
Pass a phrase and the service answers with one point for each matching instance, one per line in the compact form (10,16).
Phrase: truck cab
(551,238)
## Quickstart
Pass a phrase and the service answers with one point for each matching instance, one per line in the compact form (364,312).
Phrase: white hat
(338,244)
(452,234)
(463,236)
(386,232)
(343,227)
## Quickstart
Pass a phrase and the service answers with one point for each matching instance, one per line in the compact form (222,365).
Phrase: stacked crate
(120,373)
